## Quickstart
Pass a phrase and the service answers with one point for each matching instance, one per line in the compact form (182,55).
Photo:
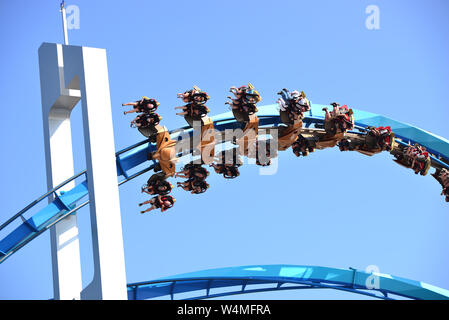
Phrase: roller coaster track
(65,203)
(262,278)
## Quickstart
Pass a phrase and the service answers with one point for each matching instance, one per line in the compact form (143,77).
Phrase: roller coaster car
(380,138)
(288,135)
(288,117)
(165,152)
(325,140)
(245,103)
(249,134)
(339,120)
(414,157)
(291,108)
(148,124)
(442,176)
(207,145)
(303,145)
(350,144)
(157,184)
(376,140)
(243,117)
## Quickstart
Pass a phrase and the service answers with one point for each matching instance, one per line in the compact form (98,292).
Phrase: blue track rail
(283,277)
(128,159)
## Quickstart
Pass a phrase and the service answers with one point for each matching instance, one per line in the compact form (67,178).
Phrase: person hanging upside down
(192,170)
(228,163)
(246,98)
(145,120)
(160,202)
(195,106)
(442,176)
(381,138)
(194,185)
(295,103)
(302,147)
(157,184)
(193,110)
(228,171)
(242,105)
(419,155)
(194,95)
(341,117)
(146,105)
(415,157)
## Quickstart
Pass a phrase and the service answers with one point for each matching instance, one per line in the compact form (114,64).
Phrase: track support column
(70,74)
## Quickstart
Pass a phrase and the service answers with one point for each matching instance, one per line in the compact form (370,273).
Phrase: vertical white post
(57,104)
(84,76)
(64,23)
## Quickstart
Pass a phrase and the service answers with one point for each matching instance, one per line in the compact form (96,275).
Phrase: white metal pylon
(70,74)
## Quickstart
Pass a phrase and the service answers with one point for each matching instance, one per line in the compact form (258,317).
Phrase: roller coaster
(160,152)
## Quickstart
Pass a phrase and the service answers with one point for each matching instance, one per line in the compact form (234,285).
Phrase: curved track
(32,223)
(283,277)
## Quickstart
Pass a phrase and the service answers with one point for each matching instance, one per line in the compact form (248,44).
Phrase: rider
(157,184)
(301,147)
(159,202)
(419,155)
(144,120)
(246,99)
(228,171)
(340,117)
(194,95)
(195,99)
(195,185)
(295,103)
(442,176)
(192,170)
(146,105)
(228,163)
(381,136)
(193,109)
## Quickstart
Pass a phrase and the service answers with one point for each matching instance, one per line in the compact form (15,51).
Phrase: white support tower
(69,74)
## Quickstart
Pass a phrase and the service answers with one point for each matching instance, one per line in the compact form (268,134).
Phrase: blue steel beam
(135,155)
(276,276)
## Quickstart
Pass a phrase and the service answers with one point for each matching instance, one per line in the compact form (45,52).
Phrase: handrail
(45,195)
(63,216)
(33,203)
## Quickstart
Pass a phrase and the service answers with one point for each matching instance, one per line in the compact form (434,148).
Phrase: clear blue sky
(340,209)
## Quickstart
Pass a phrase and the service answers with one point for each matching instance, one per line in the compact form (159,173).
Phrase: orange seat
(207,145)
(250,133)
(289,135)
(165,151)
